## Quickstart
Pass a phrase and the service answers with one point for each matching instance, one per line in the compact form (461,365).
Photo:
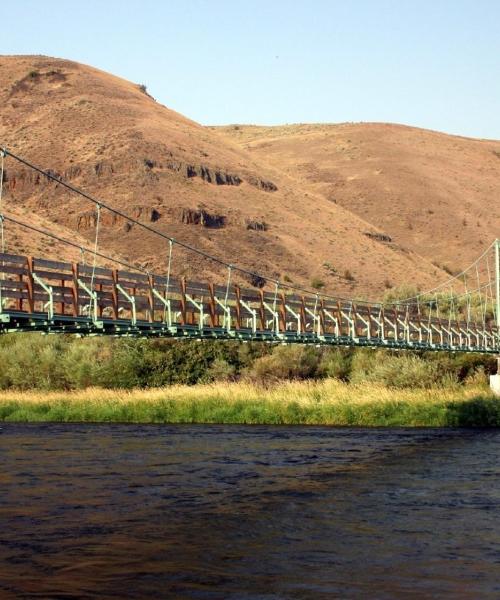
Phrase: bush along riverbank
(64,378)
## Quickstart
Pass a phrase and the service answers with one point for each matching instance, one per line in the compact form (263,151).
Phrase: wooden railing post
(30,261)
(114,294)
(396,323)
(151,298)
(214,321)
(19,301)
(303,314)
(262,313)
(370,322)
(75,289)
(322,317)
(339,318)
(100,307)
(63,305)
(134,292)
(282,311)
(183,301)
(355,320)
(237,293)
(382,323)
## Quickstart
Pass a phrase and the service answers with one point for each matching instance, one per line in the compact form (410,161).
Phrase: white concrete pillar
(495,380)
(495,384)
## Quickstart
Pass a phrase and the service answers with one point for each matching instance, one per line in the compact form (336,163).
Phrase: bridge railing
(56,290)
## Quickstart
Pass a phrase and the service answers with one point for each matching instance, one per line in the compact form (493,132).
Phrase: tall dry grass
(324,402)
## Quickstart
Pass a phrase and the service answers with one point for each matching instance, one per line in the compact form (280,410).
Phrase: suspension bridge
(52,296)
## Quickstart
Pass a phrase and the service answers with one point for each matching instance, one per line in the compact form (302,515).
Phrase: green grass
(326,402)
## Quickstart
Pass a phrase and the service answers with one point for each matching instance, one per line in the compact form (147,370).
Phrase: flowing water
(129,511)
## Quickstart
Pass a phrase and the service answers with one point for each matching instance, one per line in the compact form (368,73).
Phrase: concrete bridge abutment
(495,380)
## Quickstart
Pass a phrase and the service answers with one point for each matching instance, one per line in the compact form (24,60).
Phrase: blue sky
(433,64)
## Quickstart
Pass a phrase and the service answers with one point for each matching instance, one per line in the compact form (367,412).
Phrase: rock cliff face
(200,216)
(219,177)
(205,173)
(261,184)
(246,195)
(380,237)
(25,178)
(88,219)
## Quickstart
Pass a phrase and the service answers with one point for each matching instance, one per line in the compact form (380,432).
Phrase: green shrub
(220,370)
(286,362)
(402,292)
(82,362)
(336,363)
(362,364)
(50,362)
(317,283)
(403,371)
(32,361)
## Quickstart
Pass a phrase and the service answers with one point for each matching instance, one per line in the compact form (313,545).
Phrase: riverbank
(325,402)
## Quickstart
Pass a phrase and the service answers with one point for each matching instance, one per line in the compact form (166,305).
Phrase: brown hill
(225,192)
(432,193)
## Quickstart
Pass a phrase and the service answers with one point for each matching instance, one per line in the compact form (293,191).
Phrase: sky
(432,64)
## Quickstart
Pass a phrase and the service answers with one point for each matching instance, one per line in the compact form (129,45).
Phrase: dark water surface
(127,511)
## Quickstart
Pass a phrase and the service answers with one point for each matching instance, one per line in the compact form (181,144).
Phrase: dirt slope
(436,194)
(223,192)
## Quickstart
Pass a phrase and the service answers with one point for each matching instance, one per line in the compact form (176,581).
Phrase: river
(268,513)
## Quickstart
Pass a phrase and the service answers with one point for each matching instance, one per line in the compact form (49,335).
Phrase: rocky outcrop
(22,179)
(205,173)
(199,216)
(217,176)
(262,184)
(256,225)
(88,219)
(379,237)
